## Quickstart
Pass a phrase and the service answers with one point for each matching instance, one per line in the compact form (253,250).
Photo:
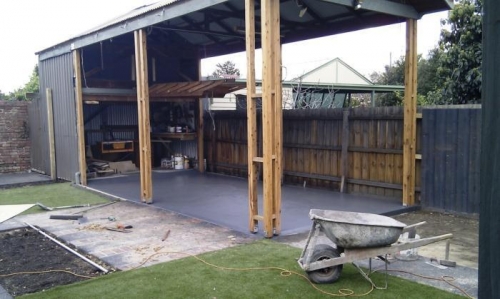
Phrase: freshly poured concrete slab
(9,211)
(223,200)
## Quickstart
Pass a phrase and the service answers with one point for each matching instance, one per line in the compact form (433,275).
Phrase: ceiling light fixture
(303,8)
(357,4)
(302,12)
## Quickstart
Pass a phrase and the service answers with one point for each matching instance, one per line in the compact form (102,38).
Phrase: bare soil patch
(465,243)
(26,250)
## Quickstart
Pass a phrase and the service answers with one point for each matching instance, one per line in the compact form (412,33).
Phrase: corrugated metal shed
(57,73)
(37,111)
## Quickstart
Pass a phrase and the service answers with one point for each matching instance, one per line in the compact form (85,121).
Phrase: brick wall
(14,137)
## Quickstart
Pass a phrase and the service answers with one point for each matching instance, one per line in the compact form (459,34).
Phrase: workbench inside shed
(111,122)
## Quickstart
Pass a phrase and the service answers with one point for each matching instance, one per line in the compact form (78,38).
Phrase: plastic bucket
(179,162)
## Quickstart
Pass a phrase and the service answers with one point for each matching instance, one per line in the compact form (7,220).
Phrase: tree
(33,85)
(225,69)
(2,96)
(459,73)
(427,72)
(393,75)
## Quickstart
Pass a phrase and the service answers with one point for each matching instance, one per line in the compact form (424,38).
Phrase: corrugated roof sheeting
(57,73)
(130,15)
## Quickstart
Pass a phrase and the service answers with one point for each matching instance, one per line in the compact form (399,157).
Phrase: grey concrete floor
(8,180)
(223,200)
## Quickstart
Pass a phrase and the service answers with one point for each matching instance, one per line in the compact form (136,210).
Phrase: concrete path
(9,180)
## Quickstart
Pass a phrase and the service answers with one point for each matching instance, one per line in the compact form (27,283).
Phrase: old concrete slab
(146,244)
(9,180)
(223,200)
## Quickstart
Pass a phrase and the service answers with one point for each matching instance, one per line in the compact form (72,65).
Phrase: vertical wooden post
(278,115)
(141,61)
(271,135)
(251,115)
(345,147)
(410,109)
(201,129)
(50,125)
(267,114)
(79,117)
(214,149)
(201,157)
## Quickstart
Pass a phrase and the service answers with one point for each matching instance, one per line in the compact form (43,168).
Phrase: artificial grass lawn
(51,195)
(190,278)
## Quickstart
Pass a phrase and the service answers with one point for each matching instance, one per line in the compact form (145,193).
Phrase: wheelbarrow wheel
(326,275)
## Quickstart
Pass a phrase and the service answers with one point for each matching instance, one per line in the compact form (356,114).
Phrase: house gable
(335,71)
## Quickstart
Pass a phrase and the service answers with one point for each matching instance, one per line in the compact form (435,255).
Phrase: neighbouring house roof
(335,71)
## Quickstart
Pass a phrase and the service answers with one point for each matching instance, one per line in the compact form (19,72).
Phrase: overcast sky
(28,26)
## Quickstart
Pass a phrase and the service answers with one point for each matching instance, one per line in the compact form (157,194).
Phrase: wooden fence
(451,159)
(316,145)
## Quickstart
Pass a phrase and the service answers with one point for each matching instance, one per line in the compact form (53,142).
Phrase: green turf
(189,278)
(51,195)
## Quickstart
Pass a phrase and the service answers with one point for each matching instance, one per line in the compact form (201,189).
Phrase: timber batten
(410,114)
(79,117)
(143,112)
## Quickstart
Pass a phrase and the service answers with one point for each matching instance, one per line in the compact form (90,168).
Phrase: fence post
(345,146)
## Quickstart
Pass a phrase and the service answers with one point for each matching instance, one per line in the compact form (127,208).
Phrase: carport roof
(216,27)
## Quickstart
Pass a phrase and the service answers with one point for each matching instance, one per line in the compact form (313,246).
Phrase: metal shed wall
(57,73)
(39,138)
(451,147)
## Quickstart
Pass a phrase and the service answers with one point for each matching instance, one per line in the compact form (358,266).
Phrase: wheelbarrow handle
(413,226)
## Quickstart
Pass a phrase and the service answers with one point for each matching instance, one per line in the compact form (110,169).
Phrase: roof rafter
(196,26)
(383,6)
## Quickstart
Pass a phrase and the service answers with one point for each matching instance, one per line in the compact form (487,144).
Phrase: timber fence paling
(312,148)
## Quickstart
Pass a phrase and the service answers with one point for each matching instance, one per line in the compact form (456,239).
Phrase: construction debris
(102,168)
(166,235)
(44,207)
(66,217)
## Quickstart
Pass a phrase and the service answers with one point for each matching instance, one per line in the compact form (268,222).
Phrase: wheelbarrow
(355,236)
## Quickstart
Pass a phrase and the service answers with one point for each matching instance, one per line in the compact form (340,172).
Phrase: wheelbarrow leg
(311,242)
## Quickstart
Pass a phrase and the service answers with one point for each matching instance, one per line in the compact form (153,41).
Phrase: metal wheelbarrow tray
(356,236)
